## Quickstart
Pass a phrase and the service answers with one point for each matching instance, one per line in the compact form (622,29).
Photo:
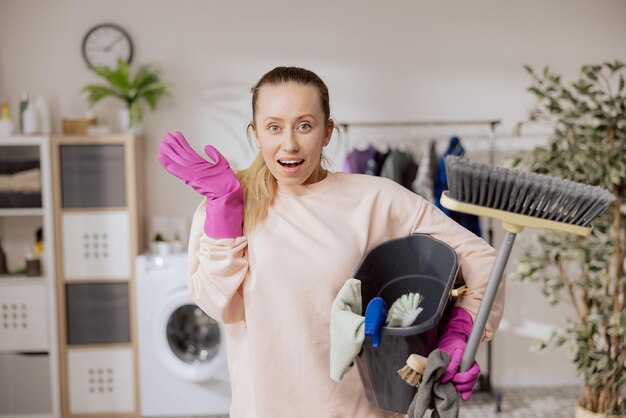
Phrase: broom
(519,199)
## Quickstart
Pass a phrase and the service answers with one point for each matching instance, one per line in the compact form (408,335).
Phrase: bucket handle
(455,293)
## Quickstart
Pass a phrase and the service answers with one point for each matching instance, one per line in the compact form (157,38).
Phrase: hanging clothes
(400,167)
(434,164)
(356,160)
(470,222)
(424,184)
(375,163)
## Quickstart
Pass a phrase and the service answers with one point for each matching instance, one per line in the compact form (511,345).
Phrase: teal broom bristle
(525,192)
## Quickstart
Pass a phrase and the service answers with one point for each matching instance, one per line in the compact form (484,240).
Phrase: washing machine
(182,351)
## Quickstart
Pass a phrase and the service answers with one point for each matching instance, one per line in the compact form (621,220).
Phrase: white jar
(6,128)
(29,119)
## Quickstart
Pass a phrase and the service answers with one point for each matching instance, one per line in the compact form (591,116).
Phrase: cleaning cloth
(346,328)
(431,394)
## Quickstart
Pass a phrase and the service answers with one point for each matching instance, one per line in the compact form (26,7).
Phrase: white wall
(396,60)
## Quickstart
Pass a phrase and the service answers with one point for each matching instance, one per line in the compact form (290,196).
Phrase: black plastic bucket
(416,263)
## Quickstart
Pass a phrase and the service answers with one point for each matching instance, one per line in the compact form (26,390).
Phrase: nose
(290,143)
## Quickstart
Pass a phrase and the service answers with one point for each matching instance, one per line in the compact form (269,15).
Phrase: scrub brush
(405,310)
(414,369)
(519,199)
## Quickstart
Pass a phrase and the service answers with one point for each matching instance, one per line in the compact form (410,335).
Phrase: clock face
(106,44)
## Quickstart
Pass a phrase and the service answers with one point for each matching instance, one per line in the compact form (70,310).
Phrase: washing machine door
(188,341)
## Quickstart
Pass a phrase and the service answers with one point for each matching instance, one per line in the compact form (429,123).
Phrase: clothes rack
(485,378)
(493,123)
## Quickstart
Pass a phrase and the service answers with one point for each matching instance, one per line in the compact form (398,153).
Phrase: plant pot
(585,413)
(161,248)
(124,120)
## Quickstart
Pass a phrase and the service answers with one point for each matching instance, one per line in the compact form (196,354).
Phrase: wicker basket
(77,126)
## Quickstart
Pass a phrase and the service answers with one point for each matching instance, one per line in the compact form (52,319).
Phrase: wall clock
(105,44)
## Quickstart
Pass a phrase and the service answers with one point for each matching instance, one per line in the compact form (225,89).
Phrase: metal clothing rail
(485,379)
(492,123)
(424,123)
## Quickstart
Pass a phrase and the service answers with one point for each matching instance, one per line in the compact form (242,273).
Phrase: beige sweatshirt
(274,289)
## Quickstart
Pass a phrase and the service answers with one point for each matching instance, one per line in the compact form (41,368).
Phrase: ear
(329,131)
(255,138)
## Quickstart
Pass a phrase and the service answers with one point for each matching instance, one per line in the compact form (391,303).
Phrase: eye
(305,126)
(273,128)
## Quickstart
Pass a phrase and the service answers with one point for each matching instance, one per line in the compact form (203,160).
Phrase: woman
(306,229)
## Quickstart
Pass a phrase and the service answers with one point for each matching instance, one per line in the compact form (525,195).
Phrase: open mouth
(291,163)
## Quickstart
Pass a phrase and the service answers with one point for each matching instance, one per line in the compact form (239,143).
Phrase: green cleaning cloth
(346,328)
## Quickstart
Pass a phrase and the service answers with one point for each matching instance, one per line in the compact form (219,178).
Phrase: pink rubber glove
(453,342)
(216,181)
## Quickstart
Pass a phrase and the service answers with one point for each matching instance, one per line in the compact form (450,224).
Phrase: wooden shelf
(94,210)
(99,280)
(89,222)
(99,346)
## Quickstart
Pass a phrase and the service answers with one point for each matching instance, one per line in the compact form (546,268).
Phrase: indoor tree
(588,145)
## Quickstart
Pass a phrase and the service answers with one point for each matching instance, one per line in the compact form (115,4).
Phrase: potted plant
(159,245)
(144,86)
(589,146)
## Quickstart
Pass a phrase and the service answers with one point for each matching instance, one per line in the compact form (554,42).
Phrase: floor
(524,403)
(535,402)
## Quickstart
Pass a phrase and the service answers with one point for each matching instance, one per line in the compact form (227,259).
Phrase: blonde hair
(258,183)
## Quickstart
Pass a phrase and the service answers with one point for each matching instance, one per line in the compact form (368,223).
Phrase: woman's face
(290,129)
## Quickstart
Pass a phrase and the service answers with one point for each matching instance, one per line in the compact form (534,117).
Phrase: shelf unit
(98,210)
(29,357)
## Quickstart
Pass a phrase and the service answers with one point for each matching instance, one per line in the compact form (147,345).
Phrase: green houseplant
(145,86)
(589,146)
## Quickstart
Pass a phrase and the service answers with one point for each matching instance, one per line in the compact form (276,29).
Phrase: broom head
(522,198)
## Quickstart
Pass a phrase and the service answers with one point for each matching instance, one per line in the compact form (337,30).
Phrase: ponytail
(259,190)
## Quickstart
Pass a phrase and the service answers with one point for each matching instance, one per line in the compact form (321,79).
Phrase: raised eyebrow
(277,119)
(272,119)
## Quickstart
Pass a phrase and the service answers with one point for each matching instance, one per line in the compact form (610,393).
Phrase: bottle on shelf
(23,106)
(6,125)
(39,242)
(29,119)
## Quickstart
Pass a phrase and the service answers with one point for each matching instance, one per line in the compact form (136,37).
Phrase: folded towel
(27,181)
(346,328)
(431,394)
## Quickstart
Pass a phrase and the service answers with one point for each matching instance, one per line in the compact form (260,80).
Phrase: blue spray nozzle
(375,316)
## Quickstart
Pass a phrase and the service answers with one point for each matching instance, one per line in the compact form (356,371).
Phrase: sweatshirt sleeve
(217,268)
(476,258)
